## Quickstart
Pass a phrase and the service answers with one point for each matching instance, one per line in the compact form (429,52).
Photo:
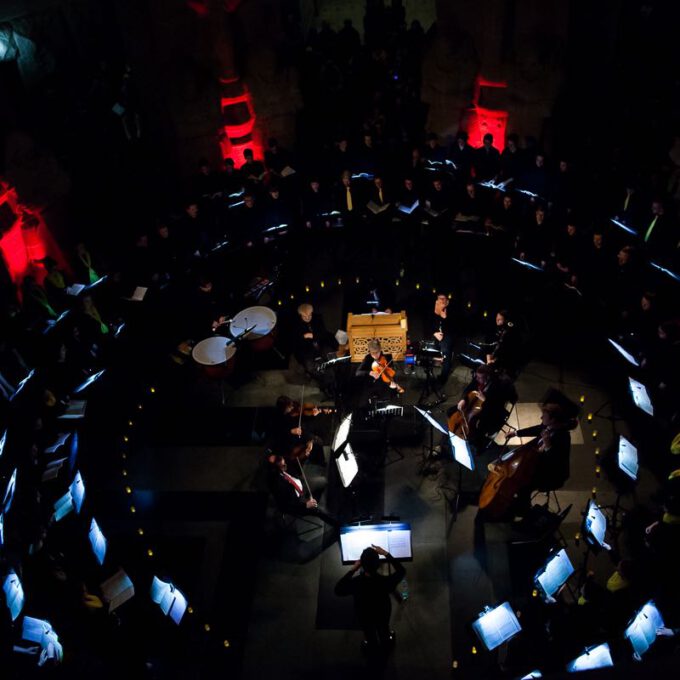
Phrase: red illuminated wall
(26,241)
(477,120)
(238,118)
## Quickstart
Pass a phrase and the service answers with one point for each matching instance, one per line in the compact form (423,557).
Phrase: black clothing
(552,469)
(306,350)
(487,163)
(374,389)
(445,345)
(498,391)
(507,352)
(372,599)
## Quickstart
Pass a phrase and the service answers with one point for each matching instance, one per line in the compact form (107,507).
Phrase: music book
(666,271)
(117,590)
(431,420)
(42,633)
(526,264)
(2,529)
(554,573)
(531,675)
(377,209)
(347,465)
(395,537)
(75,409)
(594,657)
(641,396)
(14,594)
(342,433)
(9,492)
(435,213)
(171,601)
(624,353)
(138,294)
(627,457)
(88,381)
(496,626)
(408,209)
(642,631)
(52,469)
(61,439)
(363,175)
(595,525)
(287,171)
(77,491)
(3,442)
(461,451)
(623,226)
(75,289)
(97,541)
(63,506)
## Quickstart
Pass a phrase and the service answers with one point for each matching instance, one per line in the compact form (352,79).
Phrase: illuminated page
(497,626)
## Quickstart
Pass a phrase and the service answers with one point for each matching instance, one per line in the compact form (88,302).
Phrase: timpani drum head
(213,351)
(263,318)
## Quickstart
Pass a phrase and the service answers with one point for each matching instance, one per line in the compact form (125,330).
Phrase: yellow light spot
(130,423)
(590,417)
(357,279)
(597,451)
(582,398)
(594,434)
(474,650)
(597,471)
(454,665)
(469,305)
(292,297)
(396,283)
(128,489)
(306,289)
(126,439)
(417,286)
(140,531)
(149,552)
(434,290)
(485,314)
(226,644)
(140,406)
(153,390)
(279,302)
(323,285)
(534,593)
(450,296)
(190,610)
(124,473)
(339,282)
(123,455)
(133,509)
(206,627)
(594,491)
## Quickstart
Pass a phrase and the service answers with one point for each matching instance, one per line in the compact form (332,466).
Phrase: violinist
(379,368)
(442,332)
(296,495)
(290,435)
(482,406)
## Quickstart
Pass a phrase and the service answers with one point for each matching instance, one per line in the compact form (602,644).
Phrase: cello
(459,421)
(509,475)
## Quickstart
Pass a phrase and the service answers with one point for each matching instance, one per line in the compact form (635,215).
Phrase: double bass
(508,476)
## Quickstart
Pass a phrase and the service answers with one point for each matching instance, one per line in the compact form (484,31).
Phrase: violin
(300,410)
(381,370)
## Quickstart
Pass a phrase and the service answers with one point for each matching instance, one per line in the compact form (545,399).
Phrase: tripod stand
(430,385)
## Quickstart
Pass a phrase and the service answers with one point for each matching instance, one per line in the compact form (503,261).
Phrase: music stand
(594,529)
(430,384)
(624,479)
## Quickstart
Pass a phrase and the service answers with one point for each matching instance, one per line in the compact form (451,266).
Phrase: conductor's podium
(390,329)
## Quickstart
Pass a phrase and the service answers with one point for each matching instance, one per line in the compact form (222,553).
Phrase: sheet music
(14,594)
(75,289)
(97,541)
(74,410)
(624,353)
(431,420)
(642,631)
(596,657)
(9,492)
(34,629)
(461,451)
(342,432)
(628,458)
(641,396)
(347,466)
(60,441)
(555,573)
(3,442)
(497,626)
(77,490)
(117,590)
(139,293)
(63,506)
(394,537)
(596,523)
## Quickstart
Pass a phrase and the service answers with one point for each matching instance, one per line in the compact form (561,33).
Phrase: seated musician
(290,437)
(505,352)
(558,417)
(483,403)
(311,342)
(378,369)
(293,495)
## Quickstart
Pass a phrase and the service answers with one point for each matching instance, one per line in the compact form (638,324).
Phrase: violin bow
(302,401)
(304,477)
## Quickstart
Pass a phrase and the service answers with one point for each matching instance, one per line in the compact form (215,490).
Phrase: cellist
(542,464)
(482,405)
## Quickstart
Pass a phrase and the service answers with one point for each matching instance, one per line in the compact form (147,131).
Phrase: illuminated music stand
(593,530)
(624,478)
